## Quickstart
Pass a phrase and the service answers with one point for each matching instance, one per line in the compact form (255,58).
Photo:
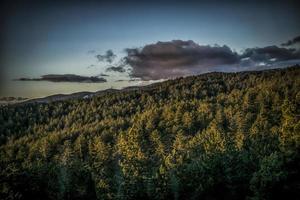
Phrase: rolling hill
(211,136)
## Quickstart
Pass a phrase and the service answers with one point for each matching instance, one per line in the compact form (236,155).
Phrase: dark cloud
(266,58)
(103,74)
(109,57)
(270,53)
(296,40)
(116,69)
(66,78)
(176,58)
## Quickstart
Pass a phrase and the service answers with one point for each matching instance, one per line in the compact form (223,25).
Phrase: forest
(211,136)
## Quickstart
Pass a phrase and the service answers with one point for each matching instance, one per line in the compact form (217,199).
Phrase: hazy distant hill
(212,136)
(63,97)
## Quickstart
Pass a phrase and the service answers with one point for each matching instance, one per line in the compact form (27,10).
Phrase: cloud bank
(270,53)
(163,60)
(176,58)
(295,40)
(66,78)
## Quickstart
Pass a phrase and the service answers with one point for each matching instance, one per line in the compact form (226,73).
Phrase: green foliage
(212,136)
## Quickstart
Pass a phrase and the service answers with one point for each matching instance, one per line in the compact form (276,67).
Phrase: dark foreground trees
(213,136)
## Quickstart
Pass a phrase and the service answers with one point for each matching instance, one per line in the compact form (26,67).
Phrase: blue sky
(54,38)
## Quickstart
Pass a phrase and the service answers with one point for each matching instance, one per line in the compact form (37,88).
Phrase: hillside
(211,136)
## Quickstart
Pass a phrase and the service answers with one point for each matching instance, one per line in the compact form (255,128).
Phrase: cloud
(103,74)
(176,58)
(66,78)
(270,53)
(109,57)
(266,58)
(295,40)
(116,69)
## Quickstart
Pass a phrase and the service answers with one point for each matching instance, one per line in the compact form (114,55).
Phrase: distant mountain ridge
(86,94)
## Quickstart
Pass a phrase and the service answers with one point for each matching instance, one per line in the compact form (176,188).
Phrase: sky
(104,44)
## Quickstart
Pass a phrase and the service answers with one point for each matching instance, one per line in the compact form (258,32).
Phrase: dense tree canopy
(212,136)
